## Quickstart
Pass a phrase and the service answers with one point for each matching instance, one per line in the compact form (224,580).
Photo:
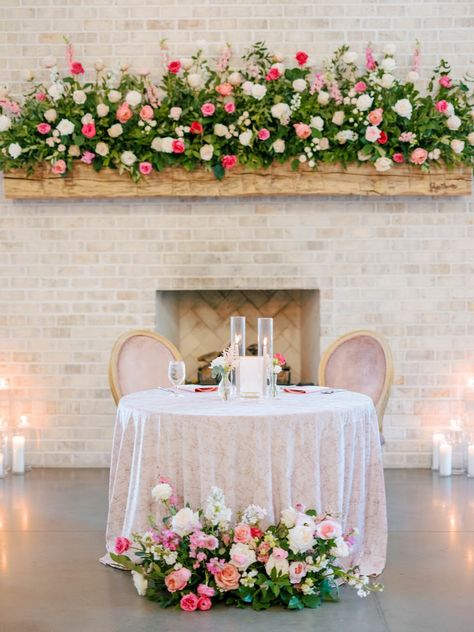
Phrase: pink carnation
(178,146)
(145,168)
(122,545)
(398,158)
(189,602)
(263,134)
(205,591)
(43,128)
(208,109)
(273,74)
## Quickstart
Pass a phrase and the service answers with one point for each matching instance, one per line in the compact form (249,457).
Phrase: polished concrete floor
(52,534)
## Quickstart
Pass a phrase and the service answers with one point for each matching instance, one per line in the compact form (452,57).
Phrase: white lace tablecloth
(322,450)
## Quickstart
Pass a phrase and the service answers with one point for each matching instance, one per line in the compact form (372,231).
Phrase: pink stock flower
(174,67)
(208,109)
(328,529)
(124,113)
(445,81)
(43,128)
(375,117)
(189,602)
(224,89)
(229,107)
(122,545)
(418,156)
(204,603)
(178,146)
(360,86)
(40,96)
(215,565)
(442,106)
(318,83)
(145,168)
(205,591)
(229,161)
(301,57)
(242,533)
(177,580)
(335,93)
(273,74)
(88,130)
(399,158)
(146,113)
(302,130)
(263,134)
(406,137)
(87,157)
(58,167)
(370,62)
(416,61)
(76,68)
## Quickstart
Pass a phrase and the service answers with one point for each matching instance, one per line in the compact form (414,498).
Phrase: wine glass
(176,374)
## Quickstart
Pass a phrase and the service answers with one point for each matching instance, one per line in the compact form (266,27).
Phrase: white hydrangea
(195,80)
(56,91)
(388,64)
(350,57)
(387,80)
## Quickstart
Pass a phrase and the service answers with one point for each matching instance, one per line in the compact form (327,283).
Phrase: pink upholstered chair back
(359,361)
(139,361)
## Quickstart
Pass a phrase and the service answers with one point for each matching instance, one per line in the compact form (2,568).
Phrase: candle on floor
(438,438)
(470,461)
(18,454)
(445,459)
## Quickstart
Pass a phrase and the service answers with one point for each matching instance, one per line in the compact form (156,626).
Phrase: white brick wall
(74,276)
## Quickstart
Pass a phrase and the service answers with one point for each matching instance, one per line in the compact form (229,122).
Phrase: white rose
(14,149)
(457,145)
(282,566)
(388,64)
(453,122)
(338,118)
(65,127)
(387,80)
(403,108)
(51,115)
(323,144)
(102,149)
(362,156)
(185,522)
(115,130)
(389,49)
(56,91)
(140,583)
(258,91)
(194,80)
(206,152)
(221,130)
(162,492)
(364,102)
(128,158)
(288,517)
(279,146)
(299,85)
(114,96)
(157,144)
(167,145)
(341,549)
(235,78)
(133,98)
(323,98)
(317,122)
(470,138)
(87,118)
(175,113)
(383,164)
(5,123)
(245,138)
(102,109)
(372,133)
(247,87)
(79,97)
(301,539)
(281,111)
(412,76)
(241,556)
(350,57)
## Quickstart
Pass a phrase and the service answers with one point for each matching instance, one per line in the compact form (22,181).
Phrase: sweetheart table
(319,449)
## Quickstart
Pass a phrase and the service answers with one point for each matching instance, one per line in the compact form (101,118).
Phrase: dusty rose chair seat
(360,361)
(139,361)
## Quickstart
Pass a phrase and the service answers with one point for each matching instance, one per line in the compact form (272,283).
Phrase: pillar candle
(438,438)
(445,459)
(470,460)
(18,454)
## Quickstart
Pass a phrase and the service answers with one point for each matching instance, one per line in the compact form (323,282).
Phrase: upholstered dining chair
(360,361)
(139,361)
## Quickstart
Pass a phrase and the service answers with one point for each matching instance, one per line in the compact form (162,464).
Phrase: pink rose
(228,577)
(177,580)
(442,106)
(76,68)
(124,113)
(418,156)
(398,158)
(297,571)
(229,107)
(178,146)
(145,168)
(208,109)
(58,167)
(122,545)
(242,533)
(279,554)
(205,591)
(445,81)
(88,129)
(87,157)
(273,74)
(43,128)
(40,96)
(375,117)
(224,89)
(210,542)
(174,67)
(229,161)
(146,113)
(263,134)
(360,86)
(204,603)
(189,602)
(301,57)
(302,130)
(328,529)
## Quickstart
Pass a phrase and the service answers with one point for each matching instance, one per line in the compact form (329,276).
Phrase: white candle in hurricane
(438,438)
(470,461)
(445,459)
(18,454)
(2,465)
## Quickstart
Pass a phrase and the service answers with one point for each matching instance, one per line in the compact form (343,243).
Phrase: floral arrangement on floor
(217,115)
(197,558)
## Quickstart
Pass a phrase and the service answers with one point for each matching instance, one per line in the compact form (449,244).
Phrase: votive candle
(18,454)
(470,461)
(445,459)
(438,438)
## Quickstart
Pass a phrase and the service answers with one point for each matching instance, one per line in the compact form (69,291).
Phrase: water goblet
(176,375)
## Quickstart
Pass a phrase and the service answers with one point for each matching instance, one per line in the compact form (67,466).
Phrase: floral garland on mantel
(265,109)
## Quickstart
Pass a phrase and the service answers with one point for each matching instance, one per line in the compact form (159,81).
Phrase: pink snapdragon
(318,83)
(370,62)
(215,565)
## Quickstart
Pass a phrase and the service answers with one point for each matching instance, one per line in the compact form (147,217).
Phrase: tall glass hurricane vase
(237,333)
(265,346)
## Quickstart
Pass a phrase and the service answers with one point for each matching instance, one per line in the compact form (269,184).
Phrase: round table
(320,449)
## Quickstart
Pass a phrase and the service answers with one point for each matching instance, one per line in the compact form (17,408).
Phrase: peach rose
(242,533)
(328,529)
(177,580)
(146,113)
(375,117)
(58,167)
(302,130)
(124,113)
(228,577)
(418,156)
(224,89)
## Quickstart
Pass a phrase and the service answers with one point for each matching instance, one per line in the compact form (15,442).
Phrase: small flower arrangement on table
(279,361)
(222,368)
(196,558)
